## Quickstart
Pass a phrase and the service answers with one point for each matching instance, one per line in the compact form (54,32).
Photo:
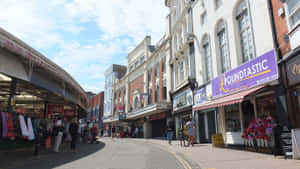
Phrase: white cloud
(122,23)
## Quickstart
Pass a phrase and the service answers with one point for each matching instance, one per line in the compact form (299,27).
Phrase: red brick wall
(281,26)
(138,83)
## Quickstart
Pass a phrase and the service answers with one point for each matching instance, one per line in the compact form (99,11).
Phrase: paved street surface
(209,157)
(109,154)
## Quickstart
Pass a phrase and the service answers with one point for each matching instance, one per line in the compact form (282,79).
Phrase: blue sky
(84,36)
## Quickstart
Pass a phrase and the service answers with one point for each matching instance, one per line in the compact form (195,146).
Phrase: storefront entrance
(159,128)
(207,122)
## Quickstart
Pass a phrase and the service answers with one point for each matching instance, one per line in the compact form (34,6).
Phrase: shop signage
(200,96)
(258,71)
(122,116)
(293,70)
(121,109)
(69,113)
(55,109)
(183,99)
(158,116)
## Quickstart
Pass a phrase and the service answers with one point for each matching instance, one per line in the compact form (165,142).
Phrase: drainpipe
(274,35)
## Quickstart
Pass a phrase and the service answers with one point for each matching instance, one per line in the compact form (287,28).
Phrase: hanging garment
(35,127)
(23,126)
(30,129)
(4,125)
(10,127)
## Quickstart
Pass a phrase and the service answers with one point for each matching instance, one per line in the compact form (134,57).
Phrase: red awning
(228,100)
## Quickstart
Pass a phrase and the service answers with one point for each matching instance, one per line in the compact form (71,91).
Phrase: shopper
(181,135)
(94,133)
(170,134)
(58,131)
(73,129)
(191,132)
(136,132)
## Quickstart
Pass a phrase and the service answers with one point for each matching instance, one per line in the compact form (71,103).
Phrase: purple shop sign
(258,71)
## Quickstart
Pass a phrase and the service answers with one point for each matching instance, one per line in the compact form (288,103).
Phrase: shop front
(206,119)
(292,69)
(182,108)
(159,124)
(245,99)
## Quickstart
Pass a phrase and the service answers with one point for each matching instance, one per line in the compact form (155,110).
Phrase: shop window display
(232,118)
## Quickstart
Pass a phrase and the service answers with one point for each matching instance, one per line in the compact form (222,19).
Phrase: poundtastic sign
(258,71)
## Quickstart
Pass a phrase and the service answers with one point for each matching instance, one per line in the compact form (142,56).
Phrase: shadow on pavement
(46,159)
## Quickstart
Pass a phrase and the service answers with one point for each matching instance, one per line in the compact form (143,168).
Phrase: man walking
(170,133)
(191,132)
(73,129)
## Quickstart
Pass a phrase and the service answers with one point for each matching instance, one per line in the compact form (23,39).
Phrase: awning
(228,100)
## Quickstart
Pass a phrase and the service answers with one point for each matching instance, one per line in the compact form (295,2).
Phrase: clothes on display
(30,130)
(23,126)
(4,125)
(10,127)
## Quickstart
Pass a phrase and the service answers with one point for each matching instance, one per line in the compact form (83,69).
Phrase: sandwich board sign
(296,143)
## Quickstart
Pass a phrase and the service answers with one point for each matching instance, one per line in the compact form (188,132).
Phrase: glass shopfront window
(232,118)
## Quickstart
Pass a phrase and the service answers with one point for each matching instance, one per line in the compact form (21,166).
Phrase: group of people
(128,132)
(185,133)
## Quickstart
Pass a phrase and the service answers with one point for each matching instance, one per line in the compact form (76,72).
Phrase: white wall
(261,27)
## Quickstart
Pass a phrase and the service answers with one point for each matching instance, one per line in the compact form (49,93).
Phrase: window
(245,32)
(136,64)
(150,96)
(223,48)
(150,76)
(187,65)
(293,7)
(131,68)
(203,18)
(164,64)
(142,59)
(156,93)
(207,59)
(157,70)
(181,70)
(218,3)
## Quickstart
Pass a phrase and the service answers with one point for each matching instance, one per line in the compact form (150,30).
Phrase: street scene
(150,84)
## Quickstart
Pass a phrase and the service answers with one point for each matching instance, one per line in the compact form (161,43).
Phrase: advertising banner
(258,71)
(200,96)
(69,113)
(55,109)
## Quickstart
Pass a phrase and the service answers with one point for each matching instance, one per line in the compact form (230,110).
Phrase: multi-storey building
(182,61)
(95,108)
(236,70)
(140,97)
(112,74)
(286,23)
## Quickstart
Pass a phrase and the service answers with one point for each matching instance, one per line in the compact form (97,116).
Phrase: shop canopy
(228,100)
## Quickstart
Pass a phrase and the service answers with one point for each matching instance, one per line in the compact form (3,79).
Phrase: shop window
(232,118)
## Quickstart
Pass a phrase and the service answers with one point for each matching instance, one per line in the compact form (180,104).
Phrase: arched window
(207,58)
(136,102)
(245,32)
(223,47)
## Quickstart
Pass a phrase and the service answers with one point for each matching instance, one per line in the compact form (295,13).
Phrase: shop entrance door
(158,128)
(211,120)
(202,128)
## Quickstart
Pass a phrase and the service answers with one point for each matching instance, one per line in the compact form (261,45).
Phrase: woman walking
(73,129)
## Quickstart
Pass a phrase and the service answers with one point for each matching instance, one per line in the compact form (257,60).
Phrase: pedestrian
(136,132)
(113,130)
(181,135)
(73,129)
(170,134)
(86,133)
(191,132)
(94,133)
(58,131)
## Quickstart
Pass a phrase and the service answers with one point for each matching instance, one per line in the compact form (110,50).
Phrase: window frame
(206,48)
(291,26)
(223,43)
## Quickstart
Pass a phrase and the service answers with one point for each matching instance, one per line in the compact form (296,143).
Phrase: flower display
(260,129)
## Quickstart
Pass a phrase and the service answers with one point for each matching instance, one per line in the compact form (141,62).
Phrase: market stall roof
(228,100)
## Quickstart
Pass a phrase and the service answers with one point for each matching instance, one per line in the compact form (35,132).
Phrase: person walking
(181,135)
(170,134)
(58,130)
(136,132)
(73,129)
(191,132)
(94,133)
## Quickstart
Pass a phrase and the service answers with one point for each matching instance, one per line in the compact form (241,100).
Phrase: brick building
(95,108)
